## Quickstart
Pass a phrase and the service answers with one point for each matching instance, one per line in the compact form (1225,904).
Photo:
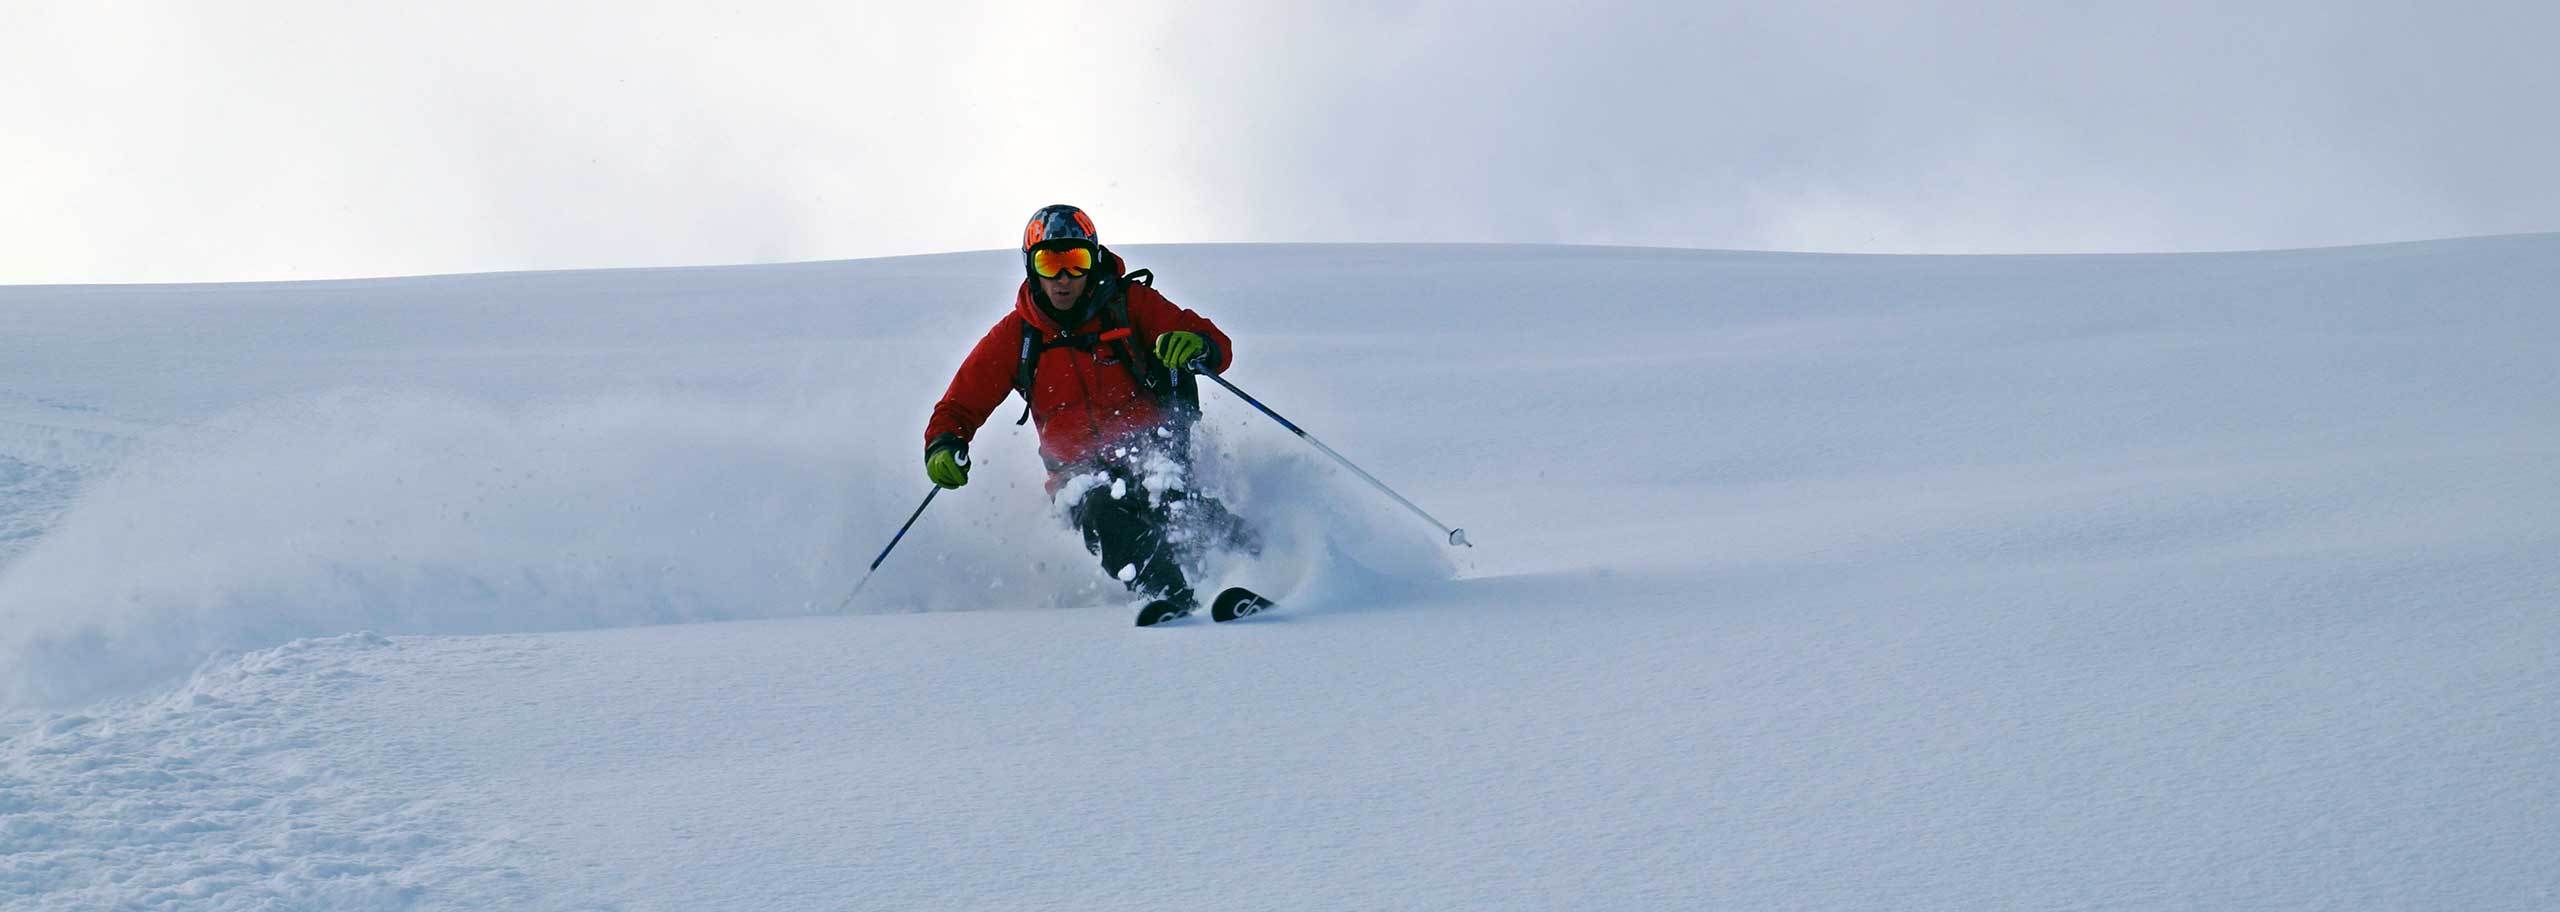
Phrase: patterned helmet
(1059,226)
(1055,227)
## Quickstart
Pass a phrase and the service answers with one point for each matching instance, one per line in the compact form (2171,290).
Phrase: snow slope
(1805,581)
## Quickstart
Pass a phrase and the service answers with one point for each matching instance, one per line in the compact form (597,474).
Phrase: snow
(1803,581)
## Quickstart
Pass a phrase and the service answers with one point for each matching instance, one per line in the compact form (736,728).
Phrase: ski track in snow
(31,498)
(244,789)
(2211,581)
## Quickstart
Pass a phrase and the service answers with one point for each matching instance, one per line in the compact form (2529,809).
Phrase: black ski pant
(1155,535)
(1134,531)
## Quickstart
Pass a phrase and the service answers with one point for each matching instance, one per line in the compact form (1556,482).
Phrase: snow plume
(410,513)
(413,513)
(1309,529)
(1327,539)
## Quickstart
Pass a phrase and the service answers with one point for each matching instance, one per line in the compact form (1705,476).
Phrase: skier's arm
(1158,315)
(979,386)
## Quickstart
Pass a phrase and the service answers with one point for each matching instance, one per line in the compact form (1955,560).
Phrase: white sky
(268,139)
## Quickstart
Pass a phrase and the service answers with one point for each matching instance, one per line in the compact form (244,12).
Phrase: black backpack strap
(1023,369)
(1179,390)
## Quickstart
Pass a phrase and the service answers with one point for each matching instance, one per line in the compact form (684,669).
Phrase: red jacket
(1081,401)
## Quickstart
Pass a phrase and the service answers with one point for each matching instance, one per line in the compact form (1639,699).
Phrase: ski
(1238,602)
(1162,610)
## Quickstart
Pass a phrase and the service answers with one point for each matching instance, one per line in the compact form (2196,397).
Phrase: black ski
(1162,610)
(1236,603)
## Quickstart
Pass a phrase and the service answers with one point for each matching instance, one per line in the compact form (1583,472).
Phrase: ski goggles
(1072,261)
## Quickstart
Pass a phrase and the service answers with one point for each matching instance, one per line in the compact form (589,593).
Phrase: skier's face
(1063,290)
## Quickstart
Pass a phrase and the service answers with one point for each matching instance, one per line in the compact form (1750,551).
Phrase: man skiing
(1103,362)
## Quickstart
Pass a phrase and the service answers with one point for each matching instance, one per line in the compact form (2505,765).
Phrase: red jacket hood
(1026,304)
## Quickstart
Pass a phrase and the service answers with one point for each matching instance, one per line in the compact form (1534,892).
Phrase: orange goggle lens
(1073,261)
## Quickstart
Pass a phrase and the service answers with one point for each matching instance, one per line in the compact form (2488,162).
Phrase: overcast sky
(272,139)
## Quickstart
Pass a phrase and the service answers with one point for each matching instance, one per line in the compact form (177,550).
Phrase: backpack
(1117,331)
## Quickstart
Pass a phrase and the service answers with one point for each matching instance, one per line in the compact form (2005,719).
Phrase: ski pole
(893,544)
(1456,536)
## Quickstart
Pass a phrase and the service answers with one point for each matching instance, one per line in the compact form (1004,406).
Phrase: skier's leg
(1128,533)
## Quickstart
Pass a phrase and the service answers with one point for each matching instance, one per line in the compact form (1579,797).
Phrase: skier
(1102,362)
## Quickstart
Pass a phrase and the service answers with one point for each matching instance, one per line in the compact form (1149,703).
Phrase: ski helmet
(1056,226)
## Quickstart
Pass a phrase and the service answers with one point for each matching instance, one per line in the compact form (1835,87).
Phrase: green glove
(1178,349)
(947,465)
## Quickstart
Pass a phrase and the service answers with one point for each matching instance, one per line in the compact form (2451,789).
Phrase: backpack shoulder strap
(1028,365)
(1029,359)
